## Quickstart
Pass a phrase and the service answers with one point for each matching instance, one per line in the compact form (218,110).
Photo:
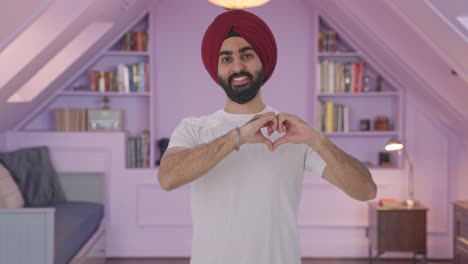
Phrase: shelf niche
(350,96)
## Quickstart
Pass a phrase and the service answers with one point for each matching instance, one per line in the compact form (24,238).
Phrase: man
(246,162)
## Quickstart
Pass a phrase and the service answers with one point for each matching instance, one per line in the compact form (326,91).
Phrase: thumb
(279,141)
(267,142)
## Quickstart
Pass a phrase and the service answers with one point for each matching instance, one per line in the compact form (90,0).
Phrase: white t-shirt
(244,210)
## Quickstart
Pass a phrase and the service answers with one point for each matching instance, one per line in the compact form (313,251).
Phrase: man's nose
(238,66)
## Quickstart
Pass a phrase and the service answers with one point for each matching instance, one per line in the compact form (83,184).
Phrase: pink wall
(185,88)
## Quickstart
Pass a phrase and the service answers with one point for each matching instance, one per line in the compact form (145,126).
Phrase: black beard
(243,95)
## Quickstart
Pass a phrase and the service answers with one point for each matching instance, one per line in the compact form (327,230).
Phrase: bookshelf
(121,75)
(355,106)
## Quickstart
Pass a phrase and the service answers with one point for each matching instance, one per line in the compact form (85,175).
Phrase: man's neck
(253,106)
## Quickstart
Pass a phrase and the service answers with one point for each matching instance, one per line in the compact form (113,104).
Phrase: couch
(41,224)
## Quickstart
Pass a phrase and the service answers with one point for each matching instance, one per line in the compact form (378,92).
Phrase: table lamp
(396,145)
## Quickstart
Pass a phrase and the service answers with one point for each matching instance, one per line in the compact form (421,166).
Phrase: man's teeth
(240,78)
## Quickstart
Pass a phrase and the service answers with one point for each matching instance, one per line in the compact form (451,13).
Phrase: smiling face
(239,70)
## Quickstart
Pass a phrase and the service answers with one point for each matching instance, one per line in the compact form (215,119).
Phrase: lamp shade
(238,4)
(394,145)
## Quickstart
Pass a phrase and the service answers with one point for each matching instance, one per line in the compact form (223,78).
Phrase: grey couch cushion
(35,175)
(75,223)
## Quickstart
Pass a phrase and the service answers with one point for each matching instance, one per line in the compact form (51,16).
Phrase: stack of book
(389,203)
(126,78)
(327,41)
(70,119)
(134,41)
(138,150)
(332,117)
(340,77)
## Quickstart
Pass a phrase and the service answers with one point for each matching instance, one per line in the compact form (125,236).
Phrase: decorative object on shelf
(80,88)
(162,145)
(238,4)
(396,145)
(378,84)
(365,84)
(384,160)
(364,124)
(381,123)
(105,119)
(105,102)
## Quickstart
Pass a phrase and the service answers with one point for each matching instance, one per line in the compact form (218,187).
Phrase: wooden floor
(304,261)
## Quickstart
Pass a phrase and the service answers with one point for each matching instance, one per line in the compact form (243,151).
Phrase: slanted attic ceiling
(406,53)
(117,12)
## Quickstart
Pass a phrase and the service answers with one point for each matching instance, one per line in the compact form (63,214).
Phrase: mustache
(240,74)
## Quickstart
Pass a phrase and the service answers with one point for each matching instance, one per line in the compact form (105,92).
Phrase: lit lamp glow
(396,145)
(238,4)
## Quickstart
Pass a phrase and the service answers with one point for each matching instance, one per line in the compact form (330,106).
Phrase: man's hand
(251,132)
(295,130)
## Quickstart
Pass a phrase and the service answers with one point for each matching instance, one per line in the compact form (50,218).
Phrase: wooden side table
(397,228)
(460,232)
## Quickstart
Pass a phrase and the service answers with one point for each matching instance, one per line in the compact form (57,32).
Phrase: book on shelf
(389,203)
(332,117)
(134,41)
(340,77)
(70,119)
(327,41)
(125,79)
(138,150)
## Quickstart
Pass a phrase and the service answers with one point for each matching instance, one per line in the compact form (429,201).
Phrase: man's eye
(227,59)
(247,56)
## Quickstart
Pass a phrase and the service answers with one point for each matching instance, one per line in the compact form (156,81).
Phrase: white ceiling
(436,21)
(449,11)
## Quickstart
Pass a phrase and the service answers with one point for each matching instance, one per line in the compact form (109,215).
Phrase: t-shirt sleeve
(183,136)
(313,162)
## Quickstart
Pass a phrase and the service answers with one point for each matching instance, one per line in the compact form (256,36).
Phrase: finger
(270,128)
(282,117)
(268,143)
(264,118)
(274,122)
(262,139)
(279,142)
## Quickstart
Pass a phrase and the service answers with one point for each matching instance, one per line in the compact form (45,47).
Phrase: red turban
(250,27)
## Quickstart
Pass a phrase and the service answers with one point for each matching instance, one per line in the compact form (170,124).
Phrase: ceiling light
(238,4)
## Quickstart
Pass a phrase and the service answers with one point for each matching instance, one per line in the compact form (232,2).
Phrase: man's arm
(181,165)
(342,169)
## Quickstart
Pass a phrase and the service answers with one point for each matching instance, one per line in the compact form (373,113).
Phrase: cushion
(35,175)
(75,223)
(10,196)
